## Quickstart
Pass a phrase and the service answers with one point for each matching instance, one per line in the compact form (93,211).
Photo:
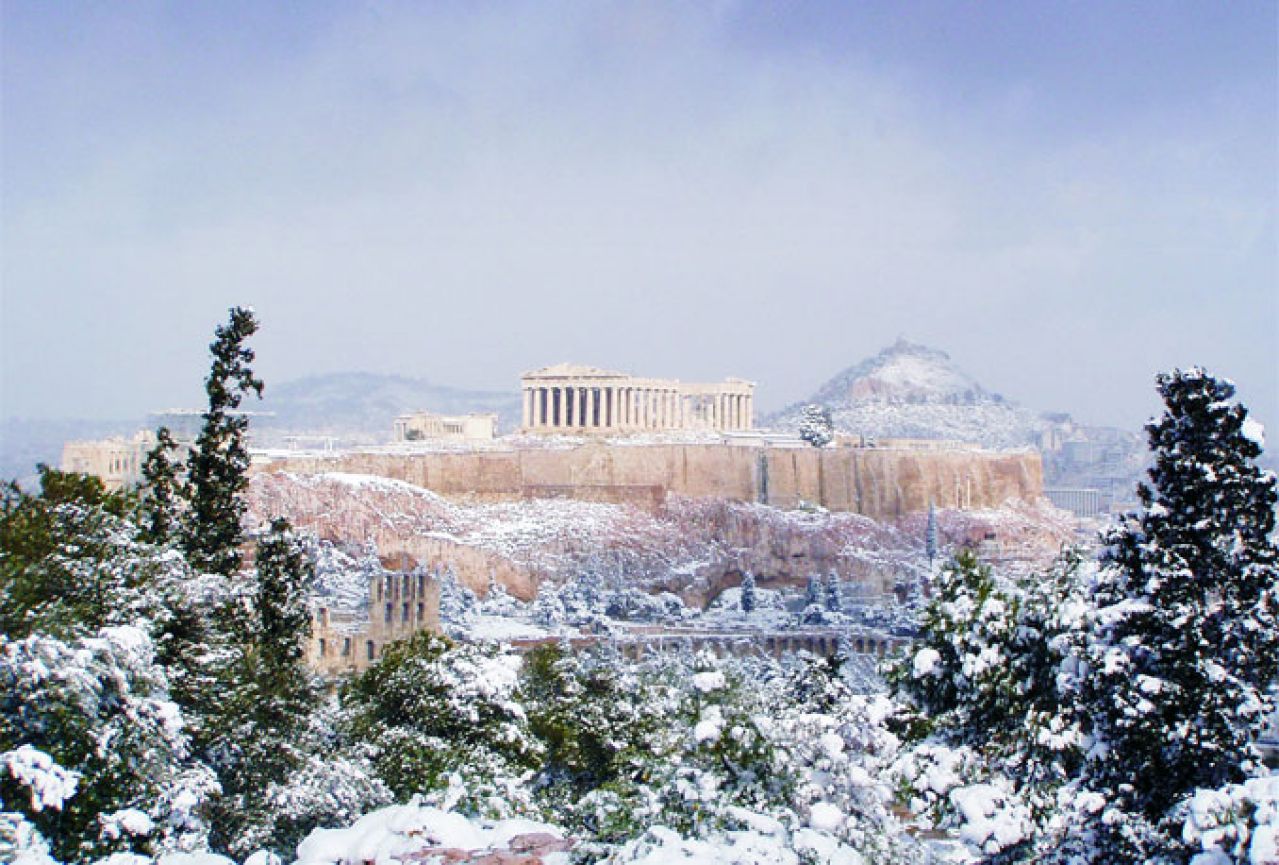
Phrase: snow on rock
(424,834)
(193,859)
(664,846)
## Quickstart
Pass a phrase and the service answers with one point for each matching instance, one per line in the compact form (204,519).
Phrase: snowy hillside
(913,391)
(905,373)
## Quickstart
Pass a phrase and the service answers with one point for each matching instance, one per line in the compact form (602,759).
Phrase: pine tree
(1186,635)
(161,491)
(217,468)
(749,601)
(816,426)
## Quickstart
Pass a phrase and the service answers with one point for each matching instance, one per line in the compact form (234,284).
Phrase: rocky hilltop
(906,373)
(914,391)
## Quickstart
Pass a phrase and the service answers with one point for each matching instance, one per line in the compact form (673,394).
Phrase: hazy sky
(1066,197)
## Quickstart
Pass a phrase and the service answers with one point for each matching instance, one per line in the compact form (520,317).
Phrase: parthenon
(582,399)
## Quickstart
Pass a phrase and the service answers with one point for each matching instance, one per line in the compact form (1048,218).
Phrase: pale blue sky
(1066,197)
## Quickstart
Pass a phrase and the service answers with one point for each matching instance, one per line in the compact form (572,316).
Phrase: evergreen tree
(258,732)
(217,469)
(161,490)
(833,602)
(749,601)
(816,426)
(1186,635)
(930,536)
(283,621)
(813,591)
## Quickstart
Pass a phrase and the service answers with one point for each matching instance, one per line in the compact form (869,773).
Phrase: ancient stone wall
(880,483)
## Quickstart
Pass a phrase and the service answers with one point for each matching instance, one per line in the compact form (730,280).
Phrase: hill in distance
(367,403)
(914,391)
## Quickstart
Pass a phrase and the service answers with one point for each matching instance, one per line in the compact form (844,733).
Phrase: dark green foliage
(570,710)
(256,734)
(813,591)
(51,546)
(1187,639)
(749,600)
(285,575)
(217,469)
(96,706)
(984,673)
(833,602)
(430,708)
(162,491)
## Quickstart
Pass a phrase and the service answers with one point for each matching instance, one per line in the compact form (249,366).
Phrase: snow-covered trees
(217,468)
(1184,637)
(1087,715)
(162,490)
(440,720)
(92,752)
(816,426)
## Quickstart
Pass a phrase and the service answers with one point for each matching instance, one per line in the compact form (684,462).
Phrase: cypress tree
(162,490)
(217,469)
(833,602)
(749,601)
(813,591)
(930,537)
(283,620)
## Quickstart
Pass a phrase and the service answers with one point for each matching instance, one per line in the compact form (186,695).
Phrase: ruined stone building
(400,605)
(567,398)
(424,426)
(116,461)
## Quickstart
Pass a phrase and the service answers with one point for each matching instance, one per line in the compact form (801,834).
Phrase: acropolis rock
(881,483)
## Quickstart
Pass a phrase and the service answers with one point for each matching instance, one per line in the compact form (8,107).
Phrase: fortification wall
(880,483)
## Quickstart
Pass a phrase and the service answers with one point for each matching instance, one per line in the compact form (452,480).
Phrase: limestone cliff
(695,547)
(880,483)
